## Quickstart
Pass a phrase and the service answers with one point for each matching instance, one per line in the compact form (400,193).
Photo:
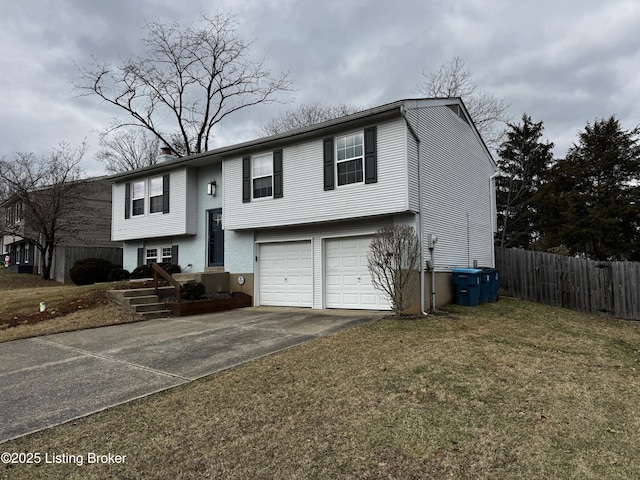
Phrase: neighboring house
(89,237)
(293,214)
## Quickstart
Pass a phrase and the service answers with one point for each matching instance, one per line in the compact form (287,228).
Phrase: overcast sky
(564,62)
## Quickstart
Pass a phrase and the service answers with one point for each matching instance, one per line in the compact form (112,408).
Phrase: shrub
(171,268)
(116,274)
(90,270)
(143,271)
(192,291)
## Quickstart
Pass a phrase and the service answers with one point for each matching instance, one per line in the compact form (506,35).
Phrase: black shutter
(174,254)
(165,193)
(370,155)
(127,200)
(328,164)
(140,256)
(246,179)
(277,173)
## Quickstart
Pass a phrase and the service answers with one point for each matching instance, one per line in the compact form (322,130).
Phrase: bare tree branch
(45,191)
(454,79)
(304,115)
(394,258)
(125,150)
(188,80)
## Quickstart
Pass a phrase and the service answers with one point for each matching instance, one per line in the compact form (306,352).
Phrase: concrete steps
(143,301)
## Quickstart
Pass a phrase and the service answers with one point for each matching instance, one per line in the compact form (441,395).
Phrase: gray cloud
(564,63)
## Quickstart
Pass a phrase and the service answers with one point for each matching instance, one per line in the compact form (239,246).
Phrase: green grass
(511,390)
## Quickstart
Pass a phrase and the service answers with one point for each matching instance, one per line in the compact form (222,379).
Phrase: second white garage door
(285,274)
(347,278)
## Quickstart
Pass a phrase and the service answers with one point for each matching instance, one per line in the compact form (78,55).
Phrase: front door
(216,238)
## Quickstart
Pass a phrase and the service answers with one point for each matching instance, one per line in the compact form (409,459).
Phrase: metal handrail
(158,270)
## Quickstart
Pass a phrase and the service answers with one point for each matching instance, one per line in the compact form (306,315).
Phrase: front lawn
(511,390)
(68,307)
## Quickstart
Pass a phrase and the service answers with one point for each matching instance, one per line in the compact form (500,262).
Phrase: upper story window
(349,156)
(137,198)
(155,195)
(353,158)
(154,189)
(13,214)
(262,175)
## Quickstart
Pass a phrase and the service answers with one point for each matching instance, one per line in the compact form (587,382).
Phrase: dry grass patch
(508,390)
(68,307)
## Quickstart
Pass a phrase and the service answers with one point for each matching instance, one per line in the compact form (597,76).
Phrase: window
(349,150)
(156,195)
(166,255)
(158,255)
(155,190)
(152,255)
(262,176)
(13,214)
(138,198)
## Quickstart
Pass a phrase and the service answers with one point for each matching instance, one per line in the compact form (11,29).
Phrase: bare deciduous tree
(46,189)
(125,150)
(394,258)
(454,79)
(189,80)
(304,115)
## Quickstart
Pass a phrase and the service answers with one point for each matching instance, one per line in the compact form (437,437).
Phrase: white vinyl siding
(304,199)
(455,171)
(181,219)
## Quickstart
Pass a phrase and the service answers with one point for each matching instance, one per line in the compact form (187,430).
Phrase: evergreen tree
(591,202)
(523,160)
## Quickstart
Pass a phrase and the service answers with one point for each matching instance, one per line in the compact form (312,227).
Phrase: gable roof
(388,110)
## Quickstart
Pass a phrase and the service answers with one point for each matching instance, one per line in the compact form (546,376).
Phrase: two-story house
(83,231)
(292,215)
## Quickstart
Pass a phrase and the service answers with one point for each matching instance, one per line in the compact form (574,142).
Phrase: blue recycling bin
(494,284)
(468,283)
(485,285)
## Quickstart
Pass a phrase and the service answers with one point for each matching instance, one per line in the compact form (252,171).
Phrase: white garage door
(347,279)
(285,274)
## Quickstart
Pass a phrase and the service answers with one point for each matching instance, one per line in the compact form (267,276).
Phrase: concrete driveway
(50,380)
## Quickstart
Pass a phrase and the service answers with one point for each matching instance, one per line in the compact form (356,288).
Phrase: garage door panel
(285,274)
(347,278)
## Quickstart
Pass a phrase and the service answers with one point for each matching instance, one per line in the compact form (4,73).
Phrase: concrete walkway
(50,380)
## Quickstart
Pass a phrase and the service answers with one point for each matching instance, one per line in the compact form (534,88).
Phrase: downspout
(403,112)
(494,212)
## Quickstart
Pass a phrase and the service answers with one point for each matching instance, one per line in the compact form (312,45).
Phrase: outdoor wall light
(211,188)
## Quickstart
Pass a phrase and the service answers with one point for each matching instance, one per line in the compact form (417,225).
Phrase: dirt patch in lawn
(92,300)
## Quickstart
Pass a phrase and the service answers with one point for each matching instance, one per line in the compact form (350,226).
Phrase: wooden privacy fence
(590,286)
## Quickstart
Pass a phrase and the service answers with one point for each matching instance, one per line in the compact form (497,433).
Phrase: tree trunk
(47,257)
